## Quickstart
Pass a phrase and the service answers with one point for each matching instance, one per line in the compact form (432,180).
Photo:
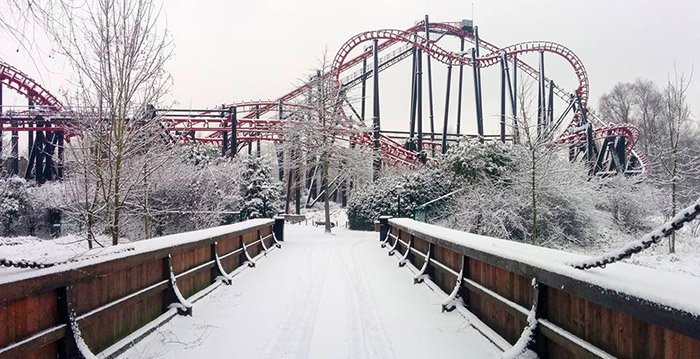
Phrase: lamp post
(399,189)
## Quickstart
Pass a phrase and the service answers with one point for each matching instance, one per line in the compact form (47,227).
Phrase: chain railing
(687,215)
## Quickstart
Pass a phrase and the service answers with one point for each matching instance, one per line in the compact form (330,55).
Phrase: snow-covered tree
(323,129)
(261,192)
(677,155)
(14,202)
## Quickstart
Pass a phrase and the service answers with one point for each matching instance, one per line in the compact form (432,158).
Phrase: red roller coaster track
(391,150)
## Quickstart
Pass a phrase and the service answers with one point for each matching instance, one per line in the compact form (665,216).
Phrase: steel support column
(224,134)
(30,134)
(430,88)
(1,124)
(419,99)
(364,90)
(234,128)
(257,134)
(447,109)
(477,97)
(503,99)
(15,148)
(412,116)
(480,120)
(280,150)
(459,89)
(376,124)
(541,100)
(550,107)
(516,130)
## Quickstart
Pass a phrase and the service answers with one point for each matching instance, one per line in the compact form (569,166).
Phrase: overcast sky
(228,51)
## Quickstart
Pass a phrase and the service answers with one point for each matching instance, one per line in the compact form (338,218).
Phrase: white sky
(229,51)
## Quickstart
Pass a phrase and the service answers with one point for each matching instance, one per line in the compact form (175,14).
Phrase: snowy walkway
(321,296)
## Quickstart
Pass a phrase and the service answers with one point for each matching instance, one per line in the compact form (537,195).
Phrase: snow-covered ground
(321,296)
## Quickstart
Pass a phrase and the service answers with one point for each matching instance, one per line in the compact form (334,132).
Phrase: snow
(650,238)
(676,290)
(321,296)
(145,246)
(71,248)
(520,349)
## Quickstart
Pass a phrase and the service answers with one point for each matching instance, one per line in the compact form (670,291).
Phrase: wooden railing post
(278,228)
(172,295)
(67,347)
(218,270)
(383,227)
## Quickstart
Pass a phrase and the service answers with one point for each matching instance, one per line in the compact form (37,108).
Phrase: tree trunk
(533,183)
(324,189)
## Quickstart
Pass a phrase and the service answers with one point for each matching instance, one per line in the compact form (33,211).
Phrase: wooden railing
(76,309)
(623,311)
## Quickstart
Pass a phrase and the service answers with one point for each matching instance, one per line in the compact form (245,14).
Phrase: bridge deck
(320,296)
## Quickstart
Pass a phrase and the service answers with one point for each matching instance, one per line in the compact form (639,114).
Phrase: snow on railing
(494,272)
(125,281)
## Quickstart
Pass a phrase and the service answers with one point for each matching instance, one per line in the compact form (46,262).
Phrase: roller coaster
(608,148)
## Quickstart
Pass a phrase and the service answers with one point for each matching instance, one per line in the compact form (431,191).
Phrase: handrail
(154,258)
(551,269)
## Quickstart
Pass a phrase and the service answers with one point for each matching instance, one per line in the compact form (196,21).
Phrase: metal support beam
(477,80)
(15,148)
(541,117)
(550,107)
(234,130)
(447,109)
(459,89)
(516,130)
(59,169)
(430,87)
(280,149)
(1,135)
(477,97)
(257,142)
(364,90)
(30,134)
(503,99)
(376,124)
(412,116)
(419,99)
(224,135)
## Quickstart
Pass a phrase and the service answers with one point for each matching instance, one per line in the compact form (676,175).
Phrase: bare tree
(677,160)
(118,51)
(323,130)
(617,105)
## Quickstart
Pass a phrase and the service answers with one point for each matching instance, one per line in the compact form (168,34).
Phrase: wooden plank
(52,278)
(671,318)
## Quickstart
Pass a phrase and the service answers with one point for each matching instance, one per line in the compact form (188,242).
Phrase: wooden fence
(580,314)
(70,310)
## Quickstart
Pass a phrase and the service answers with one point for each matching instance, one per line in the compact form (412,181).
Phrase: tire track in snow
(293,338)
(369,338)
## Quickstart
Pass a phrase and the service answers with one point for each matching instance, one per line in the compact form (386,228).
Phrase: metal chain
(23,263)
(687,215)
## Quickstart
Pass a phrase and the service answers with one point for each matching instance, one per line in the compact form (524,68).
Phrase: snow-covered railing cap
(663,299)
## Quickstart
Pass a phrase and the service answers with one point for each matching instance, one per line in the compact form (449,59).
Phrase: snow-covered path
(321,296)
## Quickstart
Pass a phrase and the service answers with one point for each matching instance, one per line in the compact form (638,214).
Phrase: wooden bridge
(230,291)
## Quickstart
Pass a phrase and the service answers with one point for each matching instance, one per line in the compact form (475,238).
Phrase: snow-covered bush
(369,202)
(631,201)
(467,162)
(194,192)
(42,202)
(473,161)
(14,202)
(261,192)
